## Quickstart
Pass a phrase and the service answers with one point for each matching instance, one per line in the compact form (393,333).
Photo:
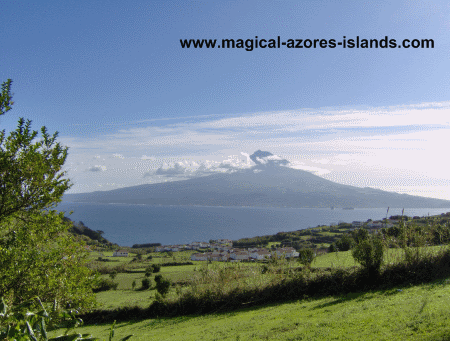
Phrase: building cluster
(220,244)
(222,250)
(244,254)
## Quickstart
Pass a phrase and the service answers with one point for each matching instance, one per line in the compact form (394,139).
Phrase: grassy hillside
(404,313)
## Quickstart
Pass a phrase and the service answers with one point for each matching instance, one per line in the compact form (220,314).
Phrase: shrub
(162,286)
(148,271)
(38,254)
(158,278)
(105,285)
(145,284)
(306,256)
(359,235)
(156,268)
(369,253)
(333,248)
(30,320)
(346,242)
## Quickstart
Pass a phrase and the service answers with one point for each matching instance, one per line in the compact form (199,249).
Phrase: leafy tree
(38,257)
(359,235)
(158,278)
(162,285)
(369,253)
(345,243)
(333,248)
(148,271)
(306,256)
(156,268)
(145,284)
(6,97)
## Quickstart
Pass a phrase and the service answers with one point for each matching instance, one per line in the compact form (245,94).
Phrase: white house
(120,253)
(260,255)
(199,256)
(240,255)
(287,252)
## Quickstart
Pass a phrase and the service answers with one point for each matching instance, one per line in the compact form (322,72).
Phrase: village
(223,250)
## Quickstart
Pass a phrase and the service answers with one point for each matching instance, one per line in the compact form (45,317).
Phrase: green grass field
(345,259)
(411,313)
(126,296)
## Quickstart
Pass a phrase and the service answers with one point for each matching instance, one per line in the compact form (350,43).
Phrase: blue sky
(111,77)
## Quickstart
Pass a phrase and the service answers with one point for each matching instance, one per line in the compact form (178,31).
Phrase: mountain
(268,183)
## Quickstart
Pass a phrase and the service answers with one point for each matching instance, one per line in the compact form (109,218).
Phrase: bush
(306,256)
(346,242)
(145,284)
(156,268)
(30,321)
(359,235)
(158,278)
(369,253)
(148,271)
(105,285)
(39,257)
(162,286)
(333,248)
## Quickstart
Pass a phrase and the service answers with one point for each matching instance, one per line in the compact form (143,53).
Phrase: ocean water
(137,224)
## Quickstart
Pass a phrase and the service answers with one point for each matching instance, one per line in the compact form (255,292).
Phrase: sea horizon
(128,224)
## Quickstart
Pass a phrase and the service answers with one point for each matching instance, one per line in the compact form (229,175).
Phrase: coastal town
(224,251)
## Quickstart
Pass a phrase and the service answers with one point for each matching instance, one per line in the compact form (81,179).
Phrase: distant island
(270,183)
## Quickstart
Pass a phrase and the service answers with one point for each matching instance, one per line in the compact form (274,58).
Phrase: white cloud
(345,145)
(97,168)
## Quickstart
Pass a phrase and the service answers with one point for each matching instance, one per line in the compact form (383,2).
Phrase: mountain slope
(268,183)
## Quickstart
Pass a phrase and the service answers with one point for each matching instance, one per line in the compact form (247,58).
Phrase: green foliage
(145,284)
(30,172)
(359,235)
(30,320)
(158,278)
(6,97)
(43,261)
(162,286)
(333,248)
(346,242)
(369,253)
(105,284)
(306,256)
(148,271)
(37,254)
(82,230)
(156,268)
